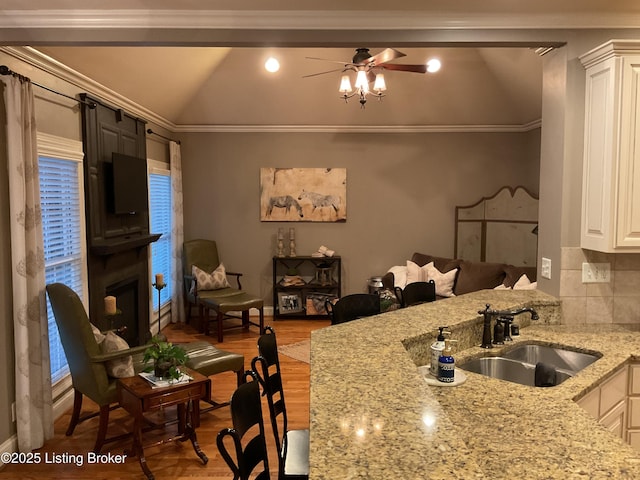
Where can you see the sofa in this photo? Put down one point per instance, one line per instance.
(469, 276)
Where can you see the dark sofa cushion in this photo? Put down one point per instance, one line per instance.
(475, 276)
(513, 274)
(441, 263)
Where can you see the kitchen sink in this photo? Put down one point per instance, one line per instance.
(509, 370)
(519, 364)
(559, 357)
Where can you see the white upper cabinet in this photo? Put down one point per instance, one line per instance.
(611, 169)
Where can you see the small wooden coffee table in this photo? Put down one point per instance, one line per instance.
(137, 396)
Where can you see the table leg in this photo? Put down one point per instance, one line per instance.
(190, 432)
(138, 449)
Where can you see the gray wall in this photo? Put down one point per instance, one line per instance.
(402, 190)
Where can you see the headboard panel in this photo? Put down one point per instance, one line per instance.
(502, 228)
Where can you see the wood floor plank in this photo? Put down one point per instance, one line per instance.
(68, 456)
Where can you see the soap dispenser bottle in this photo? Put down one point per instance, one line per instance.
(436, 349)
(446, 364)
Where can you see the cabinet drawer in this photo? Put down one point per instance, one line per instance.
(613, 391)
(192, 392)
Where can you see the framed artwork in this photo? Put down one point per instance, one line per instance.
(303, 194)
(289, 302)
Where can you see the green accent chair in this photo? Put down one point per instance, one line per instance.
(204, 255)
(89, 374)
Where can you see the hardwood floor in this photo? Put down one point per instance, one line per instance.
(176, 460)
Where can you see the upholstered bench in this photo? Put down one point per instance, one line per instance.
(241, 302)
(209, 360)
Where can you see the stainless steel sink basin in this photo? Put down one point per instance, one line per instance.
(519, 365)
(509, 370)
(559, 357)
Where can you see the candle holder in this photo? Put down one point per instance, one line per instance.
(280, 243)
(292, 243)
(111, 317)
(159, 287)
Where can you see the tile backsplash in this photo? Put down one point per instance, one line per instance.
(617, 301)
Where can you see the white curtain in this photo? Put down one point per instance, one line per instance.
(33, 377)
(177, 300)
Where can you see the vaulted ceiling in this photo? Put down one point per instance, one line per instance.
(196, 67)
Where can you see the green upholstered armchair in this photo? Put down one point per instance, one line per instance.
(204, 255)
(86, 361)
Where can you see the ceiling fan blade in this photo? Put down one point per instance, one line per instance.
(386, 55)
(322, 73)
(405, 68)
(341, 62)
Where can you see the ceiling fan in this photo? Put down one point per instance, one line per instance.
(363, 63)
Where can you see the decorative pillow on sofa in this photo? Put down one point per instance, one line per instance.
(415, 273)
(444, 281)
(524, 283)
(210, 281)
(122, 367)
(399, 275)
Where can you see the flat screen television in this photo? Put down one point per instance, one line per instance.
(129, 193)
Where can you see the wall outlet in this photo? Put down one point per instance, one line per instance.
(546, 268)
(596, 272)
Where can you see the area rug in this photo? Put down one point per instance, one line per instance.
(300, 351)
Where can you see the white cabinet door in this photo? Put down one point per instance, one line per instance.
(611, 167)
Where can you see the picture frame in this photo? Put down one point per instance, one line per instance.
(303, 194)
(290, 302)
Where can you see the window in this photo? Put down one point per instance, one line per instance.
(61, 199)
(160, 213)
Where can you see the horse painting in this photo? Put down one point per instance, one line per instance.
(320, 201)
(286, 202)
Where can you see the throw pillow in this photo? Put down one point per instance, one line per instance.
(502, 287)
(122, 367)
(399, 275)
(97, 334)
(416, 273)
(524, 283)
(444, 281)
(210, 281)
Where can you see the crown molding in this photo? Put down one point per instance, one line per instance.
(51, 66)
(305, 20)
(610, 49)
(517, 128)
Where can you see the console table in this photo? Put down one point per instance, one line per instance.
(320, 279)
(137, 396)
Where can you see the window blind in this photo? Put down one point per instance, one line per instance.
(160, 213)
(61, 226)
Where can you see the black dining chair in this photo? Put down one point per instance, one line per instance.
(246, 417)
(415, 293)
(351, 307)
(292, 445)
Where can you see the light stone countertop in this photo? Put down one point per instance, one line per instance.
(374, 417)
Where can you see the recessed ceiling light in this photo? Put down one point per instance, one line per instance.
(272, 65)
(433, 65)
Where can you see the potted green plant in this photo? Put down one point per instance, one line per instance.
(166, 358)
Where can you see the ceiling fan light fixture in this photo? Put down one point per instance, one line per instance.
(433, 65)
(345, 85)
(379, 85)
(362, 82)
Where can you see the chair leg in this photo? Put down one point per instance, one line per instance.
(245, 319)
(102, 429)
(261, 310)
(220, 318)
(75, 416)
(240, 376)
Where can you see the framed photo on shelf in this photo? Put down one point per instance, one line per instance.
(290, 302)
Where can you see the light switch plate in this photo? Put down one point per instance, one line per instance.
(596, 272)
(546, 268)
